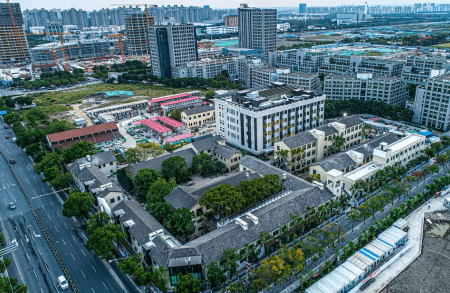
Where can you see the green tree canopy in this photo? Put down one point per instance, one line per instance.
(187, 284)
(78, 204)
(143, 180)
(180, 222)
(214, 274)
(175, 114)
(102, 240)
(160, 189)
(176, 167)
(78, 150)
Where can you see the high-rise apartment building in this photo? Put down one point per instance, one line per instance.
(302, 8)
(75, 17)
(257, 28)
(171, 46)
(432, 103)
(254, 121)
(298, 60)
(52, 28)
(419, 69)
(137, 32)
(13, 42)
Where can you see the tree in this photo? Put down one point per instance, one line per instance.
(229, 261)
(187, 284)
(97, 220)
(358, 187)
(78, 204)
(151, 149)
(143, 180)
(161, 210)
(135, 155)
(274, 269)
(175, 114)
(293, 257)
(209, 94)
(124, 178)
(160, 189)
(133, 266)
(102, 240)
(176, 167)
(58, 126)
(9, 285)
(78, 150)
(214, 274)
(180, 222)
(160, 278)
(365, 211)
(4, 264)
(374, 205)
(169, 147)
(354, 216)
(338, 142)
(204, 164)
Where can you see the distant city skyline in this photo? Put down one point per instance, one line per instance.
(90, 5)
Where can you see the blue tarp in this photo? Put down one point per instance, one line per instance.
(426, 133)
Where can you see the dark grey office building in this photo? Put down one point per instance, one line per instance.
(171, 46)
(257, 28)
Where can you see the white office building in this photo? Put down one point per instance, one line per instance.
(255, 121)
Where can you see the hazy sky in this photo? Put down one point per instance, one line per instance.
(97, 4)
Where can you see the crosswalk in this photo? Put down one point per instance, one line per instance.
(10, 248)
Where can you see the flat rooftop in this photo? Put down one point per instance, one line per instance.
(363, 171)
(405, 142)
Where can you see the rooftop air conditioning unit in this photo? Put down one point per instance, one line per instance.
(241, 222)
(252, 217)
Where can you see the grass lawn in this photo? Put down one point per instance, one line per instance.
(445, 45)
(76, 95)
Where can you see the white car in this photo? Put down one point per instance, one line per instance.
(136, 136)
(63, 282)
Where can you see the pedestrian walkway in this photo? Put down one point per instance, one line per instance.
(415, 234)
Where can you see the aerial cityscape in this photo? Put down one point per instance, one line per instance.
(235, 148)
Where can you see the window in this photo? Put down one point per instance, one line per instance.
(111, 200)
(112, 163)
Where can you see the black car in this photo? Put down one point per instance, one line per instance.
(12, 161)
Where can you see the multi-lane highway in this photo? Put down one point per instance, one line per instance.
(33, 261)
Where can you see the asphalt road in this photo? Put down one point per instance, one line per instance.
(88, 272)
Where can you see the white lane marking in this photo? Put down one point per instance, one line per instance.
(105, 286)
(39, 252)
(83, 274)
(20, 169)
(72, 256)
(43, 190)
(64, 242)
(66, 226)
(56, 229)
(27, 167)
(41, 287)
(34, 192)
(48, 215)
(34, 178)
(92, 290)
(94, 269)
(52, 204)
(56, 288)
(36, 276)
(74, 238)
(14, 198)
(27, 180)
(58, 214)
(83, 252)
(27, 255)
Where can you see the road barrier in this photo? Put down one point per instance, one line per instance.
(63, 267)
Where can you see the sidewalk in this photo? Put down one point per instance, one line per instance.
(415, 241)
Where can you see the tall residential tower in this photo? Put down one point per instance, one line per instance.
(257, 28)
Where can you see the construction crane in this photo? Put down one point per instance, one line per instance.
(54, 55)
(146, 9)
(120, 44)
(64, 52)
(16, 32)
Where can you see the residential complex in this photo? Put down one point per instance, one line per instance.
(431, 105)
(264, 76)
(13, 42)
(254, 121)
(257, 28)
(206, 68)
(297, 60)
(156, 104)
(391, 90)
(418, 69)
(137, 32)
(308, 147)
(245, 68)
(171, 46)
(342, 64)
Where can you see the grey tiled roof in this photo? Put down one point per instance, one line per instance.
(99, 159)
(226, 151)
(180, 198)
(329, 130)
(264, 168)
(211, 246)
(187, 154)
(198, 110)
(144, 224)
(300, 139)
(206, 144)
(341, 160)
(89, 174)
(351, 121)
(189, 197)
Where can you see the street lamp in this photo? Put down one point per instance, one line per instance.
(345, 114)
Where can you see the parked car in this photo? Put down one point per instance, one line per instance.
(12, 205)
(12, 161)
(6, 126)
(6, 136)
